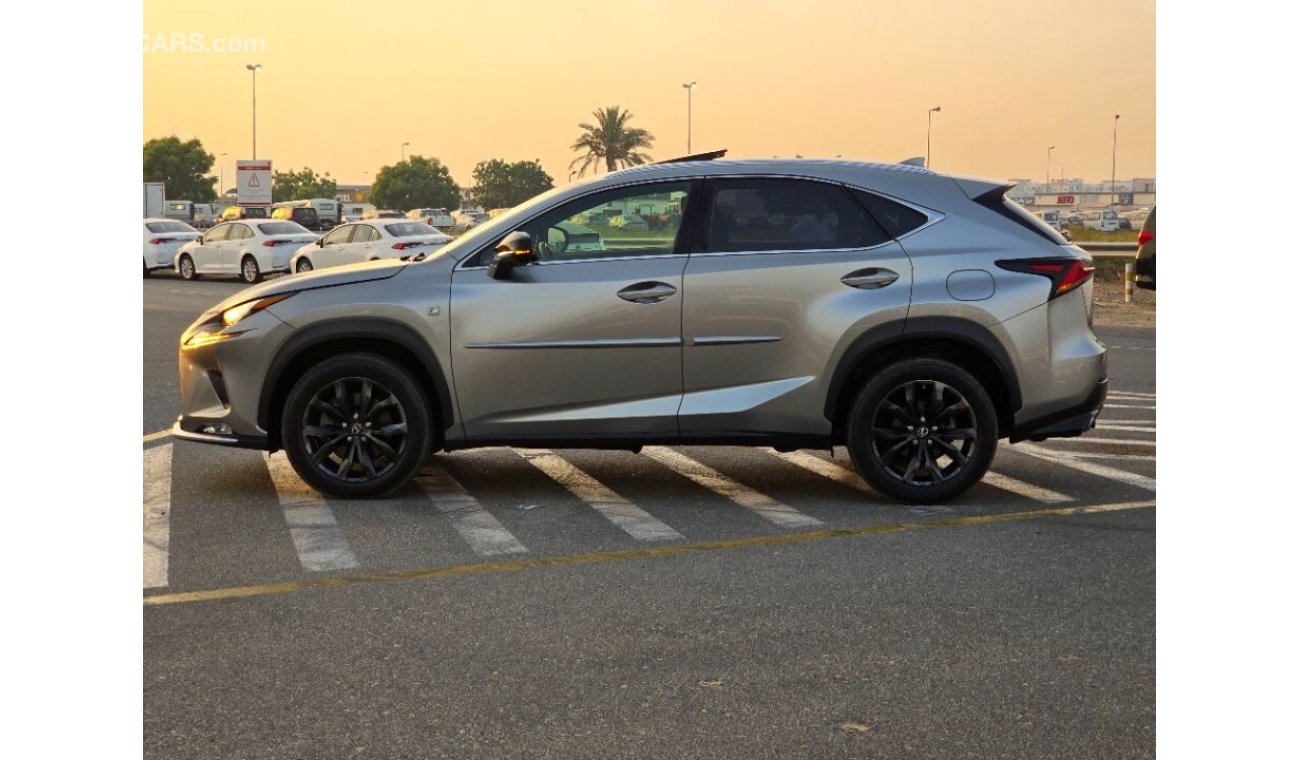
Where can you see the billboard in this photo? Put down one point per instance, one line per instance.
(253, 182)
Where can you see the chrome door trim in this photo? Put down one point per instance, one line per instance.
(732, 340)
(592, 343)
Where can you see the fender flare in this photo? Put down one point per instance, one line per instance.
(365, 328)
(950, 328)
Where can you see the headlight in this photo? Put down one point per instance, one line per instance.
(213, 325)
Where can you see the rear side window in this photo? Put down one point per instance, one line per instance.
(998, 202)
(786, 215)
(407, 229)
(896, 219)
(169, 227)
(280, 228)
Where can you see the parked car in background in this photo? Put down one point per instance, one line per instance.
(575, 238)
(383, 213)
(204, 216)
(327, 212)
(434, 217)
(162, 239)
(304, 215)
(1145, 262)
(246, 249)
(181, 210)
(242, 212)
(369, 241)
(467, 218)
(913, 317)
(1106, 220)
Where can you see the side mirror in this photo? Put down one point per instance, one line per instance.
(320, 241)
(514, 250)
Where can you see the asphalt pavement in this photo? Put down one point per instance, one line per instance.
(682, 602)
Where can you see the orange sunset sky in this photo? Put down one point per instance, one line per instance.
(344, 84)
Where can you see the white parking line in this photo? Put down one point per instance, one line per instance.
(1100, 470)
(638, 523)
(157, 513)
(1103, 441)
(847, 476)
(1128, 406)
(1127, 428)
(476, 525)
(1102, 455)
(1134, 394)
(316, 536)
(760, 504)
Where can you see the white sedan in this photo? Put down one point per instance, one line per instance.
(248, 249)
(368, 241)
(162, 239)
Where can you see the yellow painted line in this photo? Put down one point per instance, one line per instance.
(157, 436)
(592, 558)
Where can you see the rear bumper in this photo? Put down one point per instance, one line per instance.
(1067, 423)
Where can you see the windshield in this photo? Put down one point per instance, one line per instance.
(408, 229)
(498, 226)
(282, 228)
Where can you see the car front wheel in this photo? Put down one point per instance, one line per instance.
(304, 265)
(922, 430)
(357, 425)
(186, 265)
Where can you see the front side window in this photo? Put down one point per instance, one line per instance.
(217, 234)
(636, 221)
(786, 215)
(340, 235)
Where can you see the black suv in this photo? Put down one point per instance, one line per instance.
(304, 215)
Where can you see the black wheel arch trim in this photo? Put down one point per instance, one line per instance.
(364, 328)
(882, 336)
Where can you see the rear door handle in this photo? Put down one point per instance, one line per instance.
(647, 292)
(872, 278)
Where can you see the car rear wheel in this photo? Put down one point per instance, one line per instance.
(304, 265)
(249, 271)
(187, 268)
(922, 430)
(357, 425)
(146, 269)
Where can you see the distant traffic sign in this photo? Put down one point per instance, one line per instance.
(253, 183)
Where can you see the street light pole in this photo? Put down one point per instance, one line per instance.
(929, 120)
(404, 150)
(253, 67)
(1114, 142)
(1049, 164)
(690, 87)
(221, 176)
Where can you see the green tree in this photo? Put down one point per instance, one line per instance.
(414, 183)
(301, 185)
(611, 140)
(182, 166)
(498, 184)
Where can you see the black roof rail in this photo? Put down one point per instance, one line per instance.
(710, 156)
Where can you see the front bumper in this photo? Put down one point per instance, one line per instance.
(196, 429)
(1067, 423)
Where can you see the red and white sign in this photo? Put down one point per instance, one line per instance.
(253, 183)
(1065, 200)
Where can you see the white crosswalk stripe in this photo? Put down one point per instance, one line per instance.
(484, 534)
(1028, 490)
(760, 504)
(157, 514)
(316, 535)
(638, 523)
(1101, 441)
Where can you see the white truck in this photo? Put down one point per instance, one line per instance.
(155, 200)
(1106, 221)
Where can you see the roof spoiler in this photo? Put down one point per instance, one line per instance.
(710, 156)
(975, 187)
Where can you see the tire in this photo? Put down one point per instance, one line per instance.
(350, 457)
(186, 266)
(249, 272)
(902, 444)
(304, 265)
(146, 270)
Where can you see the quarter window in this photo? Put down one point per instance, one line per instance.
(897, 219)
(786, 215)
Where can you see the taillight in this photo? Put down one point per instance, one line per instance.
(1145, 237)
(274, 243)
(156, 241)
(404, 246)
(1065, 274)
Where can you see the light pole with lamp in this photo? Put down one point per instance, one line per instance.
(1049, 165)
(1114, 142)
(404, 150)
(929, 119)
(690, 87)
(253, 67)
(221, 176)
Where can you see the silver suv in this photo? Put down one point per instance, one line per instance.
(914, 317)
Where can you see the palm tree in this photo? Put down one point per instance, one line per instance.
(611, 140)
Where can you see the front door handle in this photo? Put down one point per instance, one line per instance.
(872, 278)
(647, 292)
